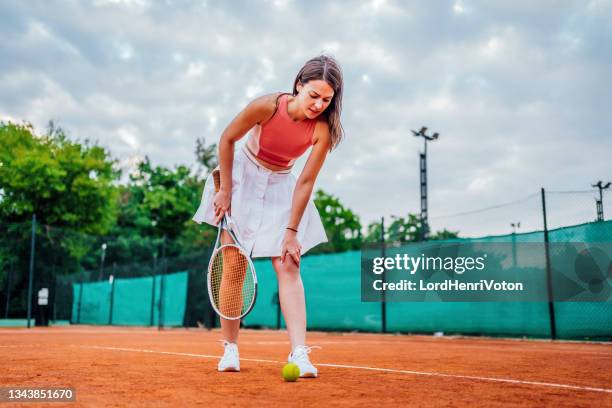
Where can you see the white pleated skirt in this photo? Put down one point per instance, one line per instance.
(261, 207)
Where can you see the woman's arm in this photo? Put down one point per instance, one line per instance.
(257, 111)
(303, 188)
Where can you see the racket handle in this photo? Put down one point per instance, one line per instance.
(217, 179)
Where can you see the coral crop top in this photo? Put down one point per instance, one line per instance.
(281, 140)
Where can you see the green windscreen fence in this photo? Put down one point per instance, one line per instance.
(133, 301)
(333, 298)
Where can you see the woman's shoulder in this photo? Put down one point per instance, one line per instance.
(321, 132)
(266, 105)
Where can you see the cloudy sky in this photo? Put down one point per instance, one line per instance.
(519, 90)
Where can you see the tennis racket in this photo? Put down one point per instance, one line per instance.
(231, 278)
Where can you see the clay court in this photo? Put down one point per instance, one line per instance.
(115, 366)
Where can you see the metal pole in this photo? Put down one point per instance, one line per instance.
(551, 304)
(599, 203)
(101, 275)
(8, 290)
(80, 294)
(383, 305)
(153, 287)
(112, 296)
(54, 293)
(161, 285)
(31, 276)
(278, 310)
(514, 249)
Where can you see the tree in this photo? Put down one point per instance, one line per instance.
(66, 183)
(404, 229)
(206, 156)
(401, 229)
(341, 224)
(444, 234)
(160, 202)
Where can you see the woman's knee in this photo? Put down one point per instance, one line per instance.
(287, 269)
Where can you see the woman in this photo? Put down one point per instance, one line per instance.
(273, 212)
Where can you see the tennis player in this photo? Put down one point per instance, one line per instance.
(273, 211)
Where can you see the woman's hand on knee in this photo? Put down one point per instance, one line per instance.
(291, 247)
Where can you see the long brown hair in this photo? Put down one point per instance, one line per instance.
(326, 68)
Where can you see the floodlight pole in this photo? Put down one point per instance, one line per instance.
(423, 175)
(599, 203)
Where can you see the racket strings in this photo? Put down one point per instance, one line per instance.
(232, 282)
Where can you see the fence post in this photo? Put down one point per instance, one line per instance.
(80, 293)
(161, 285)
(112, 296)
(383, 305)
(276, 300)
(31, 275)
(551, 304)
(153, 286)
(8, 289)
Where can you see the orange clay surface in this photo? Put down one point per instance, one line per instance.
(132, 367)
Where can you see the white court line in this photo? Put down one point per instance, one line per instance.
(502, 348)
(537, 345)
(392, 337)
(387, 370)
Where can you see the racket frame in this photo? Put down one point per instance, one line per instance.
(227, 224)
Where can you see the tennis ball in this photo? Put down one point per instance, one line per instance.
(291, 372)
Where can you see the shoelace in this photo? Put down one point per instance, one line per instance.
(302, 352)
(232, 350)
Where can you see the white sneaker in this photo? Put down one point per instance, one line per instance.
(299, 357)
(231, 359)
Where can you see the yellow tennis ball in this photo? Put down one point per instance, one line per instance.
(291, 372)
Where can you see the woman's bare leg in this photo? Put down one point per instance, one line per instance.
(292, 301)
(229, 328)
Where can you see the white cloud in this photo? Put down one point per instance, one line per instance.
(253, 91)
(128, 135)
(505, 83)
(459, 8)
(135, 4)
(125, 51)
(491, 46)
(480, 184)
(195, 69)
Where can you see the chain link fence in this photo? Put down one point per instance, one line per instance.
(72, 277)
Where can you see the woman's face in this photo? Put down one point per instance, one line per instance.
(314, 96)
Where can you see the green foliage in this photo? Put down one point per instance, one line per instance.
(341, 224)
(206, 156)
(160, 202)
(404, 229)
(444, 234)
(373, 233)
(65, 183)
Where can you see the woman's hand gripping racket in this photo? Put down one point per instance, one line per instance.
(232, 282)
